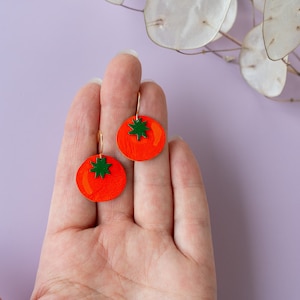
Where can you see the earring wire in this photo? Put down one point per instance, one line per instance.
(100, 143)
(138, 106)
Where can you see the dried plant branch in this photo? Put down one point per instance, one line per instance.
(264, 50)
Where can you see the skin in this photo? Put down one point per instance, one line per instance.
(154, 240)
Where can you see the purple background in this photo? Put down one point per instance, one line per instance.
(248, 146)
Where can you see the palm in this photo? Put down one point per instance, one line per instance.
(152, 242)
(124, 260)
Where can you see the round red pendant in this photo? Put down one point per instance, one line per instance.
(101, 188)
(137, 147)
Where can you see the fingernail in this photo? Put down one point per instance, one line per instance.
(176, 137)
(147, 80)
(130, 52)
(96, 80)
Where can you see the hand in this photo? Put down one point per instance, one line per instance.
(154, 240)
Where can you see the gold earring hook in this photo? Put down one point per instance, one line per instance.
(138, 106)
(100, 143)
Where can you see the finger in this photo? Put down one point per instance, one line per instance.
(68, 207)
(153, 204)
(192, 233)
(119, 92)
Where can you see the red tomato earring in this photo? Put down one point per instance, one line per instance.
(140, 137)
(101, 178)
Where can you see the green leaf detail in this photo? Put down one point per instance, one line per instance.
(139, 128)
(100, 167)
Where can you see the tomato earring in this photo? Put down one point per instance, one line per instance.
(101, 178)
(141, 137)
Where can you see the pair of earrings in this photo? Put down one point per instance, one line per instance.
(103, 178)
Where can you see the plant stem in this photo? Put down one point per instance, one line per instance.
(132, 8)
(296, 55)
(209, 50)
(231, 38)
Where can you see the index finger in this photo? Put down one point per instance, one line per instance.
(69, 209)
